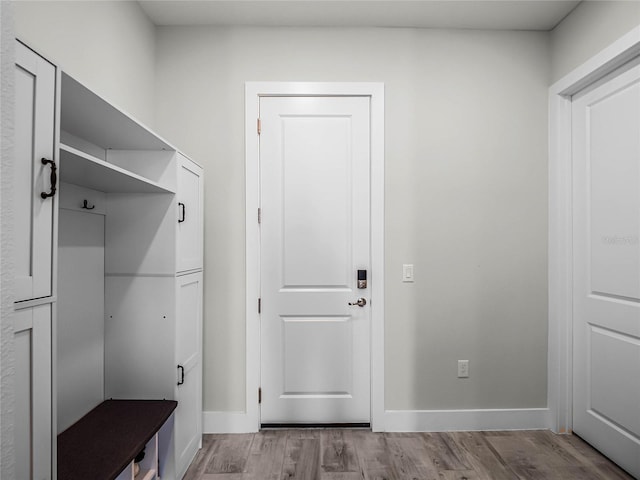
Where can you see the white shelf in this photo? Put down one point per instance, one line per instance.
(80, 168)
(90, 117)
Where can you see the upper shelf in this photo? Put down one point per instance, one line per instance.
(88, 116)
(80, 168)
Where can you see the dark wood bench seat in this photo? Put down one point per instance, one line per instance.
(102, 443)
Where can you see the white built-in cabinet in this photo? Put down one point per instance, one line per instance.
(125, 283)
(34, 218)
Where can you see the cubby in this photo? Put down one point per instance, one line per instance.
(114, 168)
(106, 441)
(120, 238)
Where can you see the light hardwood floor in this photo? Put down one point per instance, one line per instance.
(336, 454)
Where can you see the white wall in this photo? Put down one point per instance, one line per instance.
(466, 174)
(107, 45)
(591, 27)
(466, 177)
(466, 196)
(7, 397)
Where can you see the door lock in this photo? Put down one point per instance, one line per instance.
(361, 302)
(362, 279)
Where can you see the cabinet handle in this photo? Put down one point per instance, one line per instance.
(184, 212)
(181, 368)
(54, 178)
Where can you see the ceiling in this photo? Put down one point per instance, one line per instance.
(474, 14)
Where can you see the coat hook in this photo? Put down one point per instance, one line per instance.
(86, 206)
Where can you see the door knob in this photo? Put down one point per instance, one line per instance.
(361, 302)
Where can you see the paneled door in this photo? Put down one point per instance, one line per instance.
(33, 433)
(188, 425)
(315, 236)
(606, 296)
(34, 179)
(190, 204)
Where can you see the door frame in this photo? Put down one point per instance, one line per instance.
(560, 276)
(253, 92)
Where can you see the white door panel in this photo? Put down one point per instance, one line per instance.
(615, 251)
(317, 200)
(23, 394)
(34, 140)
(307, 340)
(606, 145)
(23, 180)
(190, 198)
(613, 352)
(315, 354)
(33, 435)
(188, 430)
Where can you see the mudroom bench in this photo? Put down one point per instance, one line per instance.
(103, 444)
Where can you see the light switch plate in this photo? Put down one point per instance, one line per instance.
(407, 272)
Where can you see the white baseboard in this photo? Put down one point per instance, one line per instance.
(466, 420)
(228, 422)
(410, 420)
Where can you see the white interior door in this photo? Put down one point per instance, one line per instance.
(315, 235)
(606, 146)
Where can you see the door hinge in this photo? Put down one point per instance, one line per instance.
(259, 215)
(259, 395)
(259, 305)
(259, 126)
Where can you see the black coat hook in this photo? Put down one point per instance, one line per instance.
(86, 206)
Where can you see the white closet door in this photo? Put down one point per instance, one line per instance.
(188, 424)
(34, 141)
(606, 293)
(190, 204)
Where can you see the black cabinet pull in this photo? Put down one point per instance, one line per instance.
(184, 212)
(54, 178)
(181, 368)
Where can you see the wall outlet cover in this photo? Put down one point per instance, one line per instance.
(463, 368)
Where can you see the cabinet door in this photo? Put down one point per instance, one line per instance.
(34, 141)
(190, 204)
(188, 416)
(33, 431)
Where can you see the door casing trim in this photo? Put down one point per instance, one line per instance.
(253, 92)
(560, 344)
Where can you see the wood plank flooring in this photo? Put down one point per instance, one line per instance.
(336, 454)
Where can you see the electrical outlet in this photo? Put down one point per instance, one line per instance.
(463, 368)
